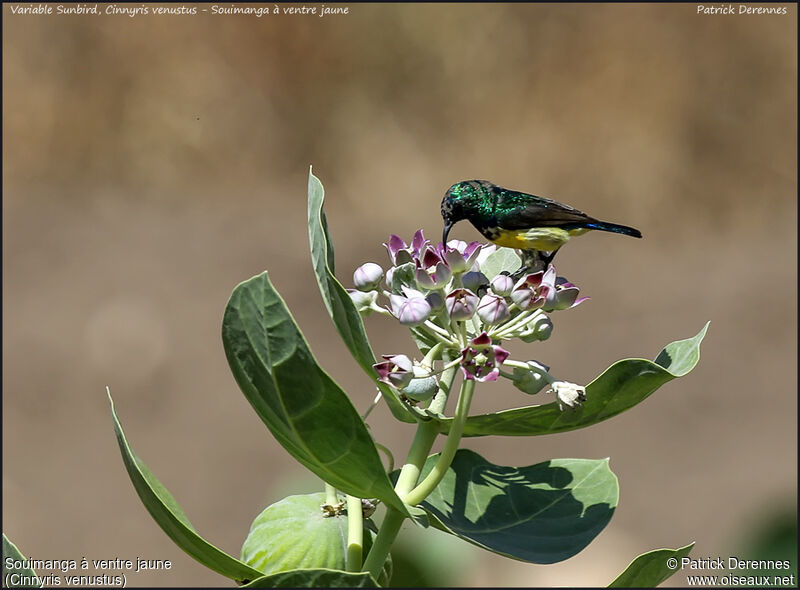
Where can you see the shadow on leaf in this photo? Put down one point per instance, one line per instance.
(541, 513)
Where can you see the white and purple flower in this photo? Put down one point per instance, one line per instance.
(432, 271)
(461, 304)
(401, 253)
(396, 370)
(481, 360)
(535, 290)
(459, 255)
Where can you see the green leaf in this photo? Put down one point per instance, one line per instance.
(17, 577)
(337, 301)
(502, 259)
(681, 356)
(651, 568)
(302, 406)
(315, 578)
(541, 513)
(170, 517)
(404, 275)
(623, 385)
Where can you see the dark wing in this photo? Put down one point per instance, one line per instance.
(515, 210)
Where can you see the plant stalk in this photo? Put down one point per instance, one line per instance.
(390, 527)
(419, 493)
(355, 534)
(409, 474)
(330, 495)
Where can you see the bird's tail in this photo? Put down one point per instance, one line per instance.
(615, 227)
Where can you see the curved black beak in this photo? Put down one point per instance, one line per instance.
(447, 226)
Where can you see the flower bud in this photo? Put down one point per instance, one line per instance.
(368, 276)
(410, 311)
(435, 300)
(502, 285)
(423, 386)
(474, 280)
(539, 328)
(492, 309)
(528, 381)
(389, 274)
(461, 304)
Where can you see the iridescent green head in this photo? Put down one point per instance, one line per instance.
(468, 199)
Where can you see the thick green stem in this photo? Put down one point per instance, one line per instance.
(436, 474)
(417, 454)
(462, 327)
(439, 401)
(420, 447)
(330, 495)
(383, 542)
(355, 534)
(425, 436)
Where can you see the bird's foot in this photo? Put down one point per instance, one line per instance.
(532, 261)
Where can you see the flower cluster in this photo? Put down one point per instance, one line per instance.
(443, 294)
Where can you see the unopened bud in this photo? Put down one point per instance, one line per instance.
(435, 300)
(368, 276)
(539, 329)
(423, 386)
(492, 309)
(474, 280)
(502, 285)
(532, 379)
(410, 311)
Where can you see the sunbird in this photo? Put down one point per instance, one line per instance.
(535, 225)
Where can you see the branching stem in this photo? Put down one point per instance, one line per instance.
(419, 493)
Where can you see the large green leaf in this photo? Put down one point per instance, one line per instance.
(301, 405)
(623, 385)
(541, 513)
(170, 517)
(17, 577)
(651, 568)
(314, 578)
(340, 307)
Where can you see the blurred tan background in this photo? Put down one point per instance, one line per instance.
(152, 163)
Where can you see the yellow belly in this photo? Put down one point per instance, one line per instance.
(544, 239)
